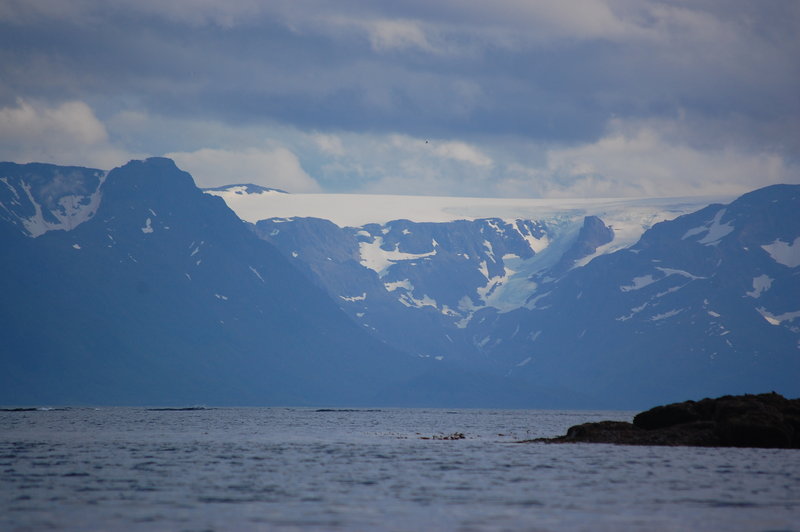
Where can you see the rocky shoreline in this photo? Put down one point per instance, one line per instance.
(766, 420)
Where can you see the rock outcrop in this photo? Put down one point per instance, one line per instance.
(767, 420)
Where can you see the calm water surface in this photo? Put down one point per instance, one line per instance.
(134, 469)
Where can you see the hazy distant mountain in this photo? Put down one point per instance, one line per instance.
(435, 278)
(708, 303)
(135, 287)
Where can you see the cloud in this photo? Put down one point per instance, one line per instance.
(402, 164)
(461, 151)
(548, 71)
(396, 34)
(516, 97)
(71, 119)
(275, 167)
(330, 144)
(638, 160)
(196, 13)
(68, 133)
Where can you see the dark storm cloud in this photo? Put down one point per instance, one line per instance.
(477, 70)
(721, 74)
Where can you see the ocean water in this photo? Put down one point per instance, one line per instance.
(137, 469)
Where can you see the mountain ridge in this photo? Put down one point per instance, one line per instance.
(136, 287)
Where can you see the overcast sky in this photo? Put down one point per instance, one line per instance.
(457, 97)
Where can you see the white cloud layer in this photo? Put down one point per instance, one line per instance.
(637, 160)
(69, 133)
(633, 158)
(275, 167)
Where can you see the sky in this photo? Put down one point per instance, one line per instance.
(509, 98)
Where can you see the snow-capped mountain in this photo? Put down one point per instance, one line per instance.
(625, 301)
(136, 288)
(434, 277)
(708, 303)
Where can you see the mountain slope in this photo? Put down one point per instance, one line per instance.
(165, 296)
(435, 278)
(135, 287)
(706, 304)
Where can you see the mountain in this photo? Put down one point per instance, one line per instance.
(135, 287)
(707, 304)
(623, 302)
(439, 278)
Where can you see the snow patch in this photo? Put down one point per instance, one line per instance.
(785, 253)
(761, 284)
(484, 269)
(634, 312)
(638, 283)
(777, 319)
(394, 285)
(715, 231)
(70, 213)
(447, 311)
(669, 290)
(665, 315)
(257, 274)
(362, 297)
(489, 250)
(533, 303)
(148, 227)
(379, 260)
(670, 271)
(409, 300)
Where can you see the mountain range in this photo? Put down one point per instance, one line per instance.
(135, 287)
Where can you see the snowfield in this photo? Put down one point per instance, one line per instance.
(629, 217)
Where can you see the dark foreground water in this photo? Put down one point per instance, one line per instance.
(301, 469)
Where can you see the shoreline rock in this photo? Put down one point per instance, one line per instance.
(765, 421)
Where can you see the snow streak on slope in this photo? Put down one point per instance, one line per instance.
(62, 204)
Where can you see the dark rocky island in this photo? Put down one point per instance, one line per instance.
(767, 420)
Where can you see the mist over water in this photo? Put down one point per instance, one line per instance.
(330, 469)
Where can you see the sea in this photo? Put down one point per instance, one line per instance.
(385, 469)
